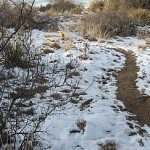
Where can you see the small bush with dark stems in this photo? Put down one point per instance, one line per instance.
(20, 84)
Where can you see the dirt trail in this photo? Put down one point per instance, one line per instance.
(134, 101)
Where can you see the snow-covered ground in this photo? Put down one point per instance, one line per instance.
(100, 121)
(141, 49)
(94, 117)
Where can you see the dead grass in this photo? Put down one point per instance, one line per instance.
(109, 145)
(47, 50)
(81, 124)
(142, 47)
(96, 6)
(140, 15)
(63, 7)
(134, 101)
(147, 42)
(112, 5)
(106, 24)
(51, 44)
(84, 57)
(143, 34)
(68, 44)
(85, 105)
(40, 79)
(62, 35)
(56, 96)
(27, 94)
(73, 73)
(145, 4)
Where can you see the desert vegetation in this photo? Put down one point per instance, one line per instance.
(60, 62)
(110, 18)
(23, 75)
(62, 7)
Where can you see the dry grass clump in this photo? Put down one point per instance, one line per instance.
(106, 24)
(62, 35)
(96, 6)
(83, 57)
(139, 10)
(140, 15)
(52, 44)
(73, 73)
(142, 47)
(81, 124)
(109, 145)
(147, 42)
(143, 34)
(47, 50)
(113, 5)
(56, 96)
(68, 44)
(63, 7)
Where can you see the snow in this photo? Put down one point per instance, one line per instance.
(104, 120)
(45, 2)
(143, 58)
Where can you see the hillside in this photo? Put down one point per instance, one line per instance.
(74, 78)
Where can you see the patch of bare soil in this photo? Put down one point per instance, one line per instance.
(134, 101)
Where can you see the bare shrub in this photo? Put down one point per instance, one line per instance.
(22, 115)
(43, 22)
(106, 24)
(13, 16)
(63, 7)
(6, 14)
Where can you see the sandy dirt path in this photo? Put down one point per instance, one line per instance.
(134, 101)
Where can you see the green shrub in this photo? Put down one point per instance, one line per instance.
(13, 54)
(140, 15)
